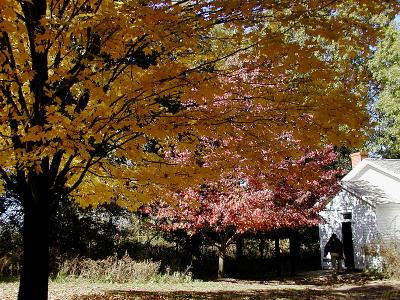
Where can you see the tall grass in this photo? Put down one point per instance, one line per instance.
(117, 270)
(390, 252)
(9, 266)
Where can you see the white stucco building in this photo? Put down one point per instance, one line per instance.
(366, 210)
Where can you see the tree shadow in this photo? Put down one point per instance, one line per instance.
(378, 291)
(370, 292)
(316, 285)
(327, 278)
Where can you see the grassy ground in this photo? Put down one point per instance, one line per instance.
(315, 285)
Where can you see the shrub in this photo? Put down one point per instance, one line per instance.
(118, 270)
(382, 259)
(110, 269)
(390, 251)
(10, 265)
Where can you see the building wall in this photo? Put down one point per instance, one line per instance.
(363, 225)
(388, 220)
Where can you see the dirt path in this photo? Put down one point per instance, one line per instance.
(315, 285)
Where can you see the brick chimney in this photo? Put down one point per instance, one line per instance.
(357, 157)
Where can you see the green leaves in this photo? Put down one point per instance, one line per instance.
(385, 67)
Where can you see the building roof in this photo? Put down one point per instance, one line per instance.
(364, 190)
(376, 181)
(390, 165)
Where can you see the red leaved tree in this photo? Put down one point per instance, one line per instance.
(235, 204)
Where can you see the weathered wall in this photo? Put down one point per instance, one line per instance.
(388, 220)
(363, 225)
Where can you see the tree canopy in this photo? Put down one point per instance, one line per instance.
(240, 204)
(223, 210)
(114, 100)
(94, 93)
(385, 67)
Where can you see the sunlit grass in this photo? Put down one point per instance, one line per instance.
(318, 285)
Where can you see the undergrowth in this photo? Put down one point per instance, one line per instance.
(387, 259)
(117, 270)
(390, 251)
(9, 267)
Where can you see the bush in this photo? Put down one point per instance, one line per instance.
(10, 265)
(382, 259)
(112, 269)
(390, 251)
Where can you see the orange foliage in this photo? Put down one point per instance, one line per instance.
(94, 94)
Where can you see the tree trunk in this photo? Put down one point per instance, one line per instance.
(261, 247)
(195, 243)
(35, 265)
(35, 186)
(278, 258)
(294, 249)
(239, 247)
(221, 261)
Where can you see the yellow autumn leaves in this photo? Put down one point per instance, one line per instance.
(89, 87)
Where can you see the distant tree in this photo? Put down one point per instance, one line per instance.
(385, 66)
(224, 210)
(93, 93)
(90, 232)
(10, 225)
(73, 231)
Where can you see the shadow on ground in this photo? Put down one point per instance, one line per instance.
(309, 286)
(376, 292)
(323, 278)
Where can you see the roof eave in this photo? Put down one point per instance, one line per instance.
(357, 196)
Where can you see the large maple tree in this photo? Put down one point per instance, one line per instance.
(225, 209)
(95, 95)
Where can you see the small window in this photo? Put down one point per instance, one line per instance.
(347, 216)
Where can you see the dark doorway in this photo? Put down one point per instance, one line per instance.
(348, 245)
